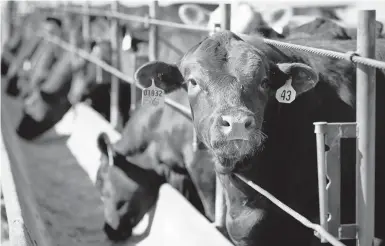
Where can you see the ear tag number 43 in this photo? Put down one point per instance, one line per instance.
(153, 95)
(286, 93)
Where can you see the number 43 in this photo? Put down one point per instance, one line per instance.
(286, 95)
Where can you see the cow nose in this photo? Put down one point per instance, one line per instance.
(236, 127)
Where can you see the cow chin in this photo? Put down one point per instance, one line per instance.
(233, 154)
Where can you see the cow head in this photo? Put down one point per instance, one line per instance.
(124, 198)
(230, 84)
(41, 111)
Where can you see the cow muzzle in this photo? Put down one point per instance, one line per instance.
(236, 127)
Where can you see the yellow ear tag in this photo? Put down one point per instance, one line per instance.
(286, 93)
(153, 95)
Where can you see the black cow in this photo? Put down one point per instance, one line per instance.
(160, 139)
(231, 83)
(45, 96)
(36, 49)
(18, 38)
(325, 29)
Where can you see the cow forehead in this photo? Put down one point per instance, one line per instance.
(224, 56)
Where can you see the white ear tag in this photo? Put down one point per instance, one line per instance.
(153, 95)
(286, 93)
(126, 42)
(27, 65)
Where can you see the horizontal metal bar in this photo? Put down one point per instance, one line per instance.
(345, 129)
(114, 14)
(321, 231)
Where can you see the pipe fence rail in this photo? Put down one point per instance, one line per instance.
(365, 126)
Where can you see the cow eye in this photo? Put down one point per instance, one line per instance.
(264, 83)
(120, 204)
(192, 82)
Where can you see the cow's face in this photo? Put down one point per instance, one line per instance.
(122, 197)
(41, 111)
(230, 84)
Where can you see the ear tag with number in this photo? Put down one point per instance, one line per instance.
(286, 93)
(153, 95)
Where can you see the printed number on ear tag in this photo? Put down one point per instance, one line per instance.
(153, 95)
(286, 94)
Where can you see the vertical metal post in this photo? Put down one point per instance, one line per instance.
(220, 208)
(72, 32)
(366, 116)
(226, 16)
(8, 21)
(115, 118)
(86, 27)
(133, 86)
(320, 128)
(153, 32)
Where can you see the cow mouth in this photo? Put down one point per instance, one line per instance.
(227, 166)
(234, 155)
(237, 149)
(117, 235)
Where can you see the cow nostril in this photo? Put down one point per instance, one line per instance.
(223, 122)
(248, 124)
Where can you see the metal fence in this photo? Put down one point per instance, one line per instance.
(363, 129)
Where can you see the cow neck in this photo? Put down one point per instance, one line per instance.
(136, 172)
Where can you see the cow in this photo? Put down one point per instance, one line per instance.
(232, 81)
(318, 27)
(33, 49)
(127, 191)
(13, 44)
(45, 101)
(163, 138)
(160, 140)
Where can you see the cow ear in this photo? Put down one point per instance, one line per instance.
(105, 148)
(303, 77)
(166, 76)
(193, 14)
